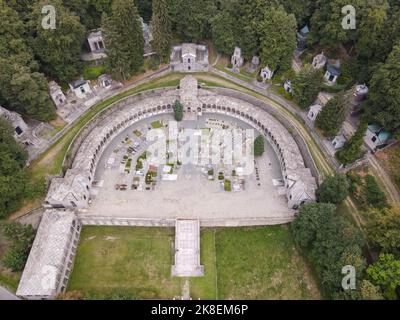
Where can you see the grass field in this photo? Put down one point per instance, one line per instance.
(240, 263)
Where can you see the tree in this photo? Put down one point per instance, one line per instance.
(161, 29)
(178, 110)
(334, 189)
(385, 273)
(123, 37)
(13, 179)
(383, 229)
(373, 39)
(191, 18)
(22, 88)
(13, 45)
(259, 146)
(25, 92)
(332, 116)
(373, 194)
(310, 219)
(21, 238)
(145, 8)
(301, 9)
(306, 86)
(384, 97)
(370, 292)
(223, 32)
(352, 149)
(326, 22)
(331, 243)
(278, 38)
(58, 49)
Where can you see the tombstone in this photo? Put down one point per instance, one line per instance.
(56, 94)
(266, 73)
(319, 61)
(237, 59)
(253, 66)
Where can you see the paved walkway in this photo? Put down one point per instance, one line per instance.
(393, 195)
(7, 295)
(187, 249)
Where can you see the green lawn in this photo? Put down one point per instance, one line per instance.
(131, 260)
(240, 263)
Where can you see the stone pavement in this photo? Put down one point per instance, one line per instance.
(187, 249)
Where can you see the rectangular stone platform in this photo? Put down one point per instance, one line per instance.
(187, 249)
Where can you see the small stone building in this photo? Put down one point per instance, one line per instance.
(376, 136)
(56, 94)
(96, 41)
(302, 38)
(16, 121)
(339, 141)
(105, 81)
(314, 111)
(189, 57)
(81, 88)
(288, 86)
(319, 61)
(266, 73)
(331, 74)
(237, 59)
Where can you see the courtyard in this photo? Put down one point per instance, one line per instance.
(127, 185)
(137, 261)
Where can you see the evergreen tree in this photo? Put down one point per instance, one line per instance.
(191, 18)
(58, 49)
(384, 97)
(25, 92)
(332, 116)
(352, 149)
(306, 86)
(259, 146)
(178, 110)
(223, 32)
(22, 88)
(161, 29)
(278, 38)
(12, 177)
(334, 189)
(123, 37)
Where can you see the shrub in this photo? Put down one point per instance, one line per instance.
(259, 146)
(229, 66)
(93, 72)
(281, 90)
